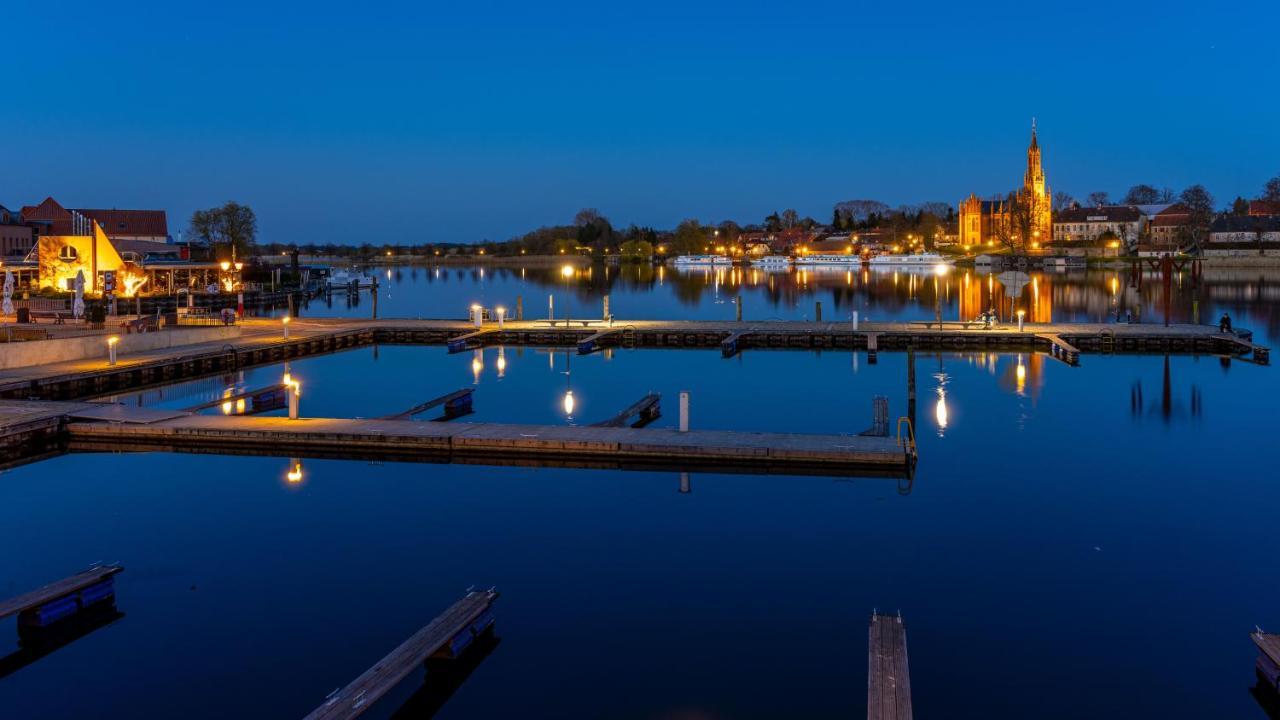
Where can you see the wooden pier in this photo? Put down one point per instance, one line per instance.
(448, 635)
(62, 598)
(456, 404)
(504, 444)
(1268, 664)
(645, 410)
(262, 342)
(888, 675)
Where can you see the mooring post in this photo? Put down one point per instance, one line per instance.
(519, 307)
(291, 394)
(551, 309)
(817, 311)
(374, 293)
(738, 309)
(684, 411)
(855, 320)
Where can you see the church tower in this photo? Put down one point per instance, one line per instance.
(1033, 181)
(1036, 191)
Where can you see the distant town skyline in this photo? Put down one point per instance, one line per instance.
(460, 124)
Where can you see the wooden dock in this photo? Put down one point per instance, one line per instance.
(645, 410)
(262, 342)
(1061, 349)
(68, 587)
(888, 675)
(505, 444)
(456, 404)
(447, 636)
(1268, 664)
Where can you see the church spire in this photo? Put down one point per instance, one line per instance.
(1034, 143)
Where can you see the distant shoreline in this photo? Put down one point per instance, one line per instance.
(491, 260)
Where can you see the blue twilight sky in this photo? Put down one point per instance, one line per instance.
(462, 121)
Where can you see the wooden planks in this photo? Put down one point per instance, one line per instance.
(502, 443)
(57, 589)
(888, 676)
(457, 403)
(1061, 349)
(732, 345)
(361, 694)
(1268, 644)
(591, 343)
(646, 407)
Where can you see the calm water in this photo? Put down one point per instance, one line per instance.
(1077, 542)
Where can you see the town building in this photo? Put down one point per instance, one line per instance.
(1252, 230)
(1264, 208)
(1084, 226)
(15, 236)
(983, 222)
(1170, 228)
(51, 218)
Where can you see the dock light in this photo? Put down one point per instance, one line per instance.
(566, 271)
(501, 315)
(239, 265)
(568, 402)
(111, 349)
(292, 391)
(477, 315)
(1021, 315)
(225, 265)
(284, 322)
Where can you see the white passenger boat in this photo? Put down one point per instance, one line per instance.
(344, 278)
(845, 261)
(702, 261)
(915, 260)
(773, 261)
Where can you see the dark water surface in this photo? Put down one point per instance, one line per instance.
(1078, 542)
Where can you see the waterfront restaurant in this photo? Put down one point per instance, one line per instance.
(131, 267)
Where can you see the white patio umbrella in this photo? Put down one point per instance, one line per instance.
(8, 292)
(77, 305)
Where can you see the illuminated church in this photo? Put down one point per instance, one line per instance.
(981, 221)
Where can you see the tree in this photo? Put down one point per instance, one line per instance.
(690, 238)
(1200, 209)
(1016, 235)
(1240, 207)
(1142, 195)
(1271, 191)
(587, 216)
(1062, 201)
(233, 225)
(790, 218)
(1099, 198)
(773, 223)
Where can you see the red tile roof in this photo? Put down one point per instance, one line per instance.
(1263, 208)
(128, 223)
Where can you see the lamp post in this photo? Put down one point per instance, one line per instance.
(111, 349)
(1021, 314)
(284, 323)
(566, 272)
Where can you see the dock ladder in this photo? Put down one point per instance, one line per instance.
(1107, 340)
(908, 441)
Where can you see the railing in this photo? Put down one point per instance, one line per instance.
(907, 442)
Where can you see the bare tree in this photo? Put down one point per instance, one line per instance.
(790, 218)
(1098, 198)
(587, 216)
(1142, 195)
(1271, 191)
(1062, 201)
(1200, 208)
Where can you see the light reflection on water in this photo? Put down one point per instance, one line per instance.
(1060, 517)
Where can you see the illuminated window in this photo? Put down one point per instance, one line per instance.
(68, 254)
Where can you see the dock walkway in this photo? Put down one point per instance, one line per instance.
(505, 444)
(444, 634)
(262, 342)
(57, 590)
(888, 675)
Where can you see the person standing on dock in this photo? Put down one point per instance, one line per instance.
(1224, 324)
